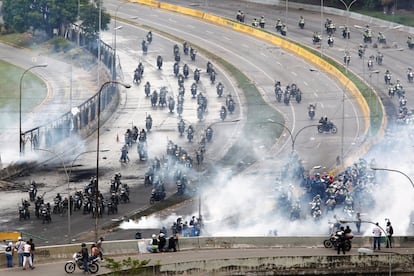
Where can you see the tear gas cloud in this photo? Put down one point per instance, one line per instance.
(246, 205)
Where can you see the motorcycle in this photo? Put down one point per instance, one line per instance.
(77, 261)
(190, 134)
(327, 127)
(311, 111)
(185, 70)
(387, 78)
(334, 239)
(149, 37)
(144, 47)
(45, 213)
(171, 104)
(197, 75)
(301, 23)
(209, 134)
(410, 76)
(159, 62)
(193, 90)
(157, 194)
(148, 123)
(185, 48)
(286, 98)
(193, 53)
(176, 69)
(147, 89)
(223, 113)
(220, 89)
(330, 41)
(32, 191)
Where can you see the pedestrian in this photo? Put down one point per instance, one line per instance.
(153, 246)
(99, 245)
(32, 249)
(20, 249)
(358, 222)
(85, 257)
(390, 231)
(94, 252)
(377, 236)
(341, 241)
(172, 246)
(162, 242)
(26, 255)
(9, 254)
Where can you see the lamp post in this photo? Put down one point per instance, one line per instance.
(292, 137)
(114, 75)
(394, 170)
(321, 26)
(97, 148)
(68, 181)
(21, 140)
(347, 7)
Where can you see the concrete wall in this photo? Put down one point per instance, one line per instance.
(127, 247)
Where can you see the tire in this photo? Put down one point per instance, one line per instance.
(327, 244)
(320, 129)
(347, 245)
(93, 268)
(70, 267)
(334, 130)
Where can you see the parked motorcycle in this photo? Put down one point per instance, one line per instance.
(77, 261)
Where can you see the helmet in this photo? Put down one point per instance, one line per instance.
(83, 244)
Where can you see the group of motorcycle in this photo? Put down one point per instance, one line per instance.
(291, 91)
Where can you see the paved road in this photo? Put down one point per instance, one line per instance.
(134, 106)
(57, 268)
(57, 76)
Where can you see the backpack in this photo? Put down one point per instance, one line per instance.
(391, 230)
(8, 249)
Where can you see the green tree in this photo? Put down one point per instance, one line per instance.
(89, 15)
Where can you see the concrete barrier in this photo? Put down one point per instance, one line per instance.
(46, 254)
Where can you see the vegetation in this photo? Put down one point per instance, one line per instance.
(33, 88)
(126, 266)
(54, 17)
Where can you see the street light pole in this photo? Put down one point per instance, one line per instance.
(68, 187)
(21, 140)
(97, 149)
(114, 75)
(292, 137)
(394, 170)
(347, 7)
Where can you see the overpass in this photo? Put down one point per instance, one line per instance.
(240, 255)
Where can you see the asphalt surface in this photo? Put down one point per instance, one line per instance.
(109, 160)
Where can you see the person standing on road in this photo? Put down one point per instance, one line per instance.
(32, 249)
(341, 241)
(20, 249)
(26, 255)
(358, 222)
(390, 231)
(9, 254)
(99, 245)
(377, 236)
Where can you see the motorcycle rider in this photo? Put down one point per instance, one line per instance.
(361, 51)
(410, 42)
(347, 58)
(255, 23)
(346, 32)
(85, 257)
(316, 37)
(283, 31)
(330, 41)
(301, 22)
(262, 22)
(381, 37)
(279, 25)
